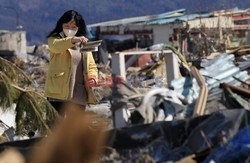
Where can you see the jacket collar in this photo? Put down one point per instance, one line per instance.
(62, 34)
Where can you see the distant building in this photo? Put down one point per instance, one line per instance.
(13, 41)
(242, 25)
(241, 28)
(131, 32)
(145, 31)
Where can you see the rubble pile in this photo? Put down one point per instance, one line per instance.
(36, 69)
(194, 117)
(190, 117)
(200, 116)
(174, 140)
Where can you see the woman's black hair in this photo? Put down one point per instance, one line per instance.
(65, 18)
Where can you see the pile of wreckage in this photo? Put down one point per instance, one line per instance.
(34, 63)
(201, 115)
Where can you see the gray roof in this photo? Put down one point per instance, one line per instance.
(141, 19)
(179, 18)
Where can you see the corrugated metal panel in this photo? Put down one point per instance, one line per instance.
(167, 14)
(214, 74)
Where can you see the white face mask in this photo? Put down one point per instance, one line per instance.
(69, 32)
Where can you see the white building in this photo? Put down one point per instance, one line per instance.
(13, 41)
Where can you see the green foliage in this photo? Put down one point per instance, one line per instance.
(14, 73)
(8, 93)
(33, 111)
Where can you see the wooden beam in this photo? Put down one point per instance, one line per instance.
(202, 99)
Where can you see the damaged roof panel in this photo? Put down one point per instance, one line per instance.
(180, 18)
(140, 19)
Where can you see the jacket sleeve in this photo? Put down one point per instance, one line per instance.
(92, 68)
(59, 45)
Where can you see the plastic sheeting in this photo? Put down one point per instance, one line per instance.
(236, 150)
(171, 141)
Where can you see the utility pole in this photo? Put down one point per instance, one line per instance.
(200, 11)
(18, 26)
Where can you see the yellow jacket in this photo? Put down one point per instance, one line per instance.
(57, 83)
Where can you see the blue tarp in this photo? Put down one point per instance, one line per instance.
(236, 150)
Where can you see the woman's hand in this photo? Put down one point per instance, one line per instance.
(80, 39)
(91, 82)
